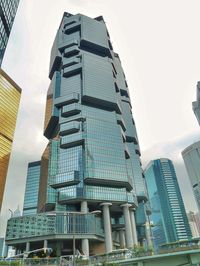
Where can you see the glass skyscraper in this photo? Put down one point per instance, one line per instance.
(92, 162)
(32, 187)
(9, 102)
(170, 222)
(8, 9)
(191, 157)
(9, 93)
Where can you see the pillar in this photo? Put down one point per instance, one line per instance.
(5, 250)
(107, 226)
(148, 234)
(133, 226)
(121, 238)
(45, 243)
(128, 229)
(85, 241)
(27, 246)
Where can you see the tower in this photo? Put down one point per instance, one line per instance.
(10, 94)
(92, 162)
(191, 157)
(169, 217)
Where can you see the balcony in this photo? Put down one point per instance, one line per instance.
(64, 179)
(71, 109)
(70, 61)
(69, 128)
(72, 140)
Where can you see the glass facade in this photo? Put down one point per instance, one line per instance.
(196, 104)
(191, 157)
(169, 218)
(32, 187)
(93, 155)
(33, 226)
(8, 9)
(9, 103)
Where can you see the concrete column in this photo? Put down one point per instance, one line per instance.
(5, 250)
(148, 234)
(128, 229)
(121, 238)
(27, 246)
(45, 243)
(107, 226)
(133, 226)
(85, 241)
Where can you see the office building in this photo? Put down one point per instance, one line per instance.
(168, 216)
(196, 104)
(1, 246)
(9, 103)
(91, 182)
(8, 9)
(194, 222)
(191, 157)
(32, 187)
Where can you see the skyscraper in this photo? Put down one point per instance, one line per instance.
(9, 103)
(92, 162)
(191, 157)
(169, 217)
(196, 104)
(194, 222)
(9, 93)
(8, 9)
(32, 187)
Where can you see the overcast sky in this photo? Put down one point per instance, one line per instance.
(159, 45)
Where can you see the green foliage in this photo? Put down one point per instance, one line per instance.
(13, 263)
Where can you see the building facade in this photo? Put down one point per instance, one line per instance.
(91, 181)
(9, 102)
(168, 216)
(8, 9)
(191, 157)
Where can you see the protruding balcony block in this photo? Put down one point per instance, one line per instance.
(71, 109)
(69, 128)
(66, 99)
(71, 140)
(64, 179)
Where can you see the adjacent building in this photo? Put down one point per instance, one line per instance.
(191, 157)
(169, 219)
(32, 188)
(10, 94)
(91, 184)
(194, 222)
(196, 104)
(8, 9)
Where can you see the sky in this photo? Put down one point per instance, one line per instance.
(159, 45)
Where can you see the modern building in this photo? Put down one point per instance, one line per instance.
(168, 216)
(10, 94)
(91, 185)
(32, 188)
(196, 104)
(194, 222)
(191, 157)
(1, 246)
(8, 10)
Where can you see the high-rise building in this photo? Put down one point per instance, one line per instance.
(91, 181)
(9, 103)
(194, 222)
(196, 104)
(32, 187)
(191, 157)
(168, 216)
(8, 9)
